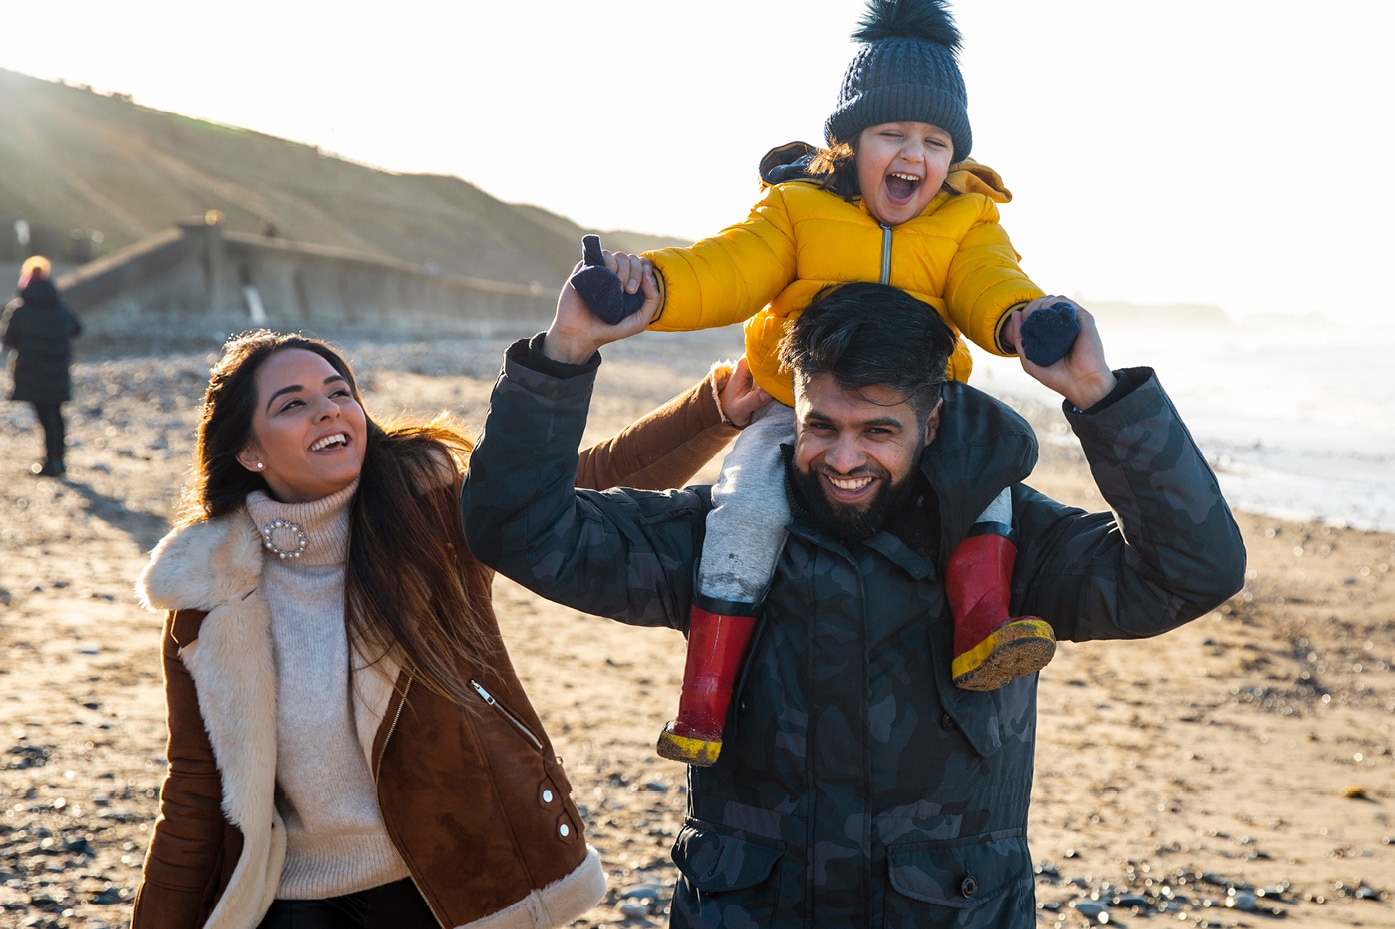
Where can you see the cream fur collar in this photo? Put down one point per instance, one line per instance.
(203, 565)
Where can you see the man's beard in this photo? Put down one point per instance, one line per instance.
(850, 522)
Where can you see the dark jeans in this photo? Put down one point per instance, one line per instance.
(51, 419)
(392, 906)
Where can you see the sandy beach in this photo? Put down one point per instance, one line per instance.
(1235, 772)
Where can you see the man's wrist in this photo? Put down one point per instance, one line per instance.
(1087, 394)
(566, 353)
(1124, 383)
(564, 350)
(529, 353)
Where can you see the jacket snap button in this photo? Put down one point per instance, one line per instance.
(564, 830)
(947, 723)
(547, 796)
(968, 886)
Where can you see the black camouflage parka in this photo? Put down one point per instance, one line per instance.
(856, 785)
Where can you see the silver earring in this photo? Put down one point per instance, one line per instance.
(260, 465)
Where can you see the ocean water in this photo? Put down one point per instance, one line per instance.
(1296, 415)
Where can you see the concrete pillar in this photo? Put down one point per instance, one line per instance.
(209, 235)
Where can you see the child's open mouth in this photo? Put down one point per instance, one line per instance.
(901, 187)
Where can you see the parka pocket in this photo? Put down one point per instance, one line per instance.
(722, 870)
(727, 879)
(717, 862)
(977, 719)
(976, 881)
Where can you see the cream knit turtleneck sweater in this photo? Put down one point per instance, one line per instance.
(336, 842)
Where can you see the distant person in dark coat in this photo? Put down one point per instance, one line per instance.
(39, 328)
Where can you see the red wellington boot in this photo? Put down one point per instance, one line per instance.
(991, 647)
(716, 644)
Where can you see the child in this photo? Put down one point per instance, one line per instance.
(894, 200)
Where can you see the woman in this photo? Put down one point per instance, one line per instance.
(349, 745)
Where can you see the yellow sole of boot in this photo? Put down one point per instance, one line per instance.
(1014, 650)
(697, 752)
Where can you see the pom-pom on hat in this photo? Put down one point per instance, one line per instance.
(905, 70)
(37, 266)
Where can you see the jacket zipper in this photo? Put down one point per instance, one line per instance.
(508, 714)
(886, 254)
(377, 768)
(401, 705)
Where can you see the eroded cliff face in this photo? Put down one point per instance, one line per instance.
(90, 174)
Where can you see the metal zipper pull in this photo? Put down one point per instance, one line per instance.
(488, 697)
(518, 724)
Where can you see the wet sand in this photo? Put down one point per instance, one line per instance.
(1237, 769)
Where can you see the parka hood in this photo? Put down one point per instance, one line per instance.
(983, 445)
(40, 292)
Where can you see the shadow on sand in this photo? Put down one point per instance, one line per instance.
(144, 528)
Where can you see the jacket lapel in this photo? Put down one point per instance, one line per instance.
(214, 566)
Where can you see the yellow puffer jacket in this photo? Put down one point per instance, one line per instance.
(800, 238)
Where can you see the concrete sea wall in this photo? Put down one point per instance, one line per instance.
(199, 280)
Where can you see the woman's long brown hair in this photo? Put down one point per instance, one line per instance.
(410, 584)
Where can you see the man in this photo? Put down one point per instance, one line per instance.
(40, 328)
(857, 786)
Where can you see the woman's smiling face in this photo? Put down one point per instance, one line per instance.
(901, 167)
(309, 433)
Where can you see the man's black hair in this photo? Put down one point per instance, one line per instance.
(867, 335)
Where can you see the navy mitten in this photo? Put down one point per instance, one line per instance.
(1048, 334)
(599, 287)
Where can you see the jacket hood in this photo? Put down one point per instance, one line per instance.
(202, 565)
(40, 292)
(970, 177)
(983, 445)
(786, 162)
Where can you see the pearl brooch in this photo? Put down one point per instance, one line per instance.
(270, 528)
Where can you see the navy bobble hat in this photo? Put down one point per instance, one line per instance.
(905, 70)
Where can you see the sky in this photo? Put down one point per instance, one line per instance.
(1223, 152)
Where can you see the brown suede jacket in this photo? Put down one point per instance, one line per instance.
(475, 800)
